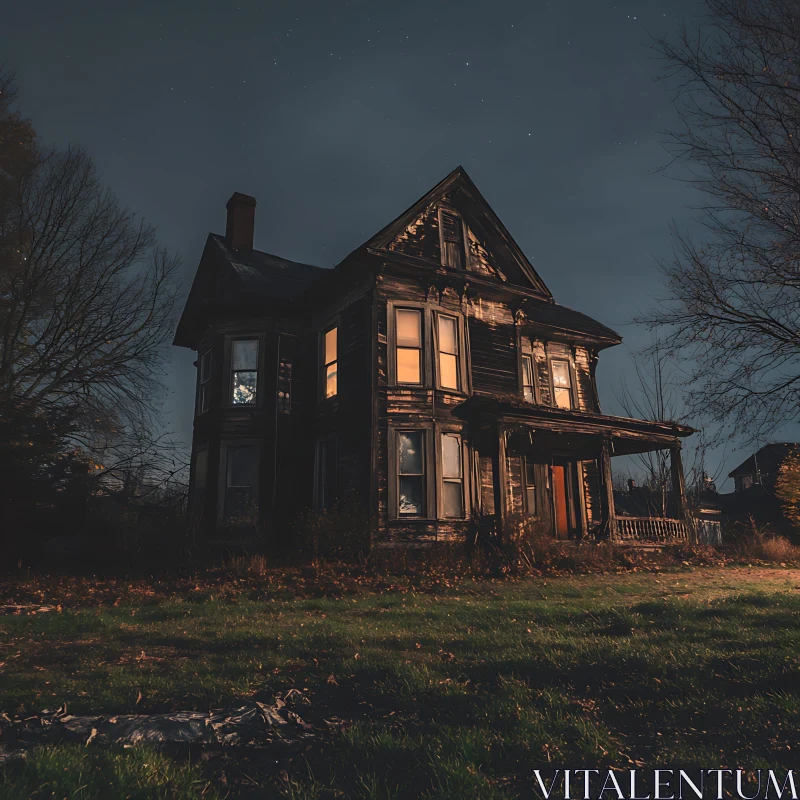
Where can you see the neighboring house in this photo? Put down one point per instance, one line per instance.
(761, 468)
(429, 376)
(754, 489)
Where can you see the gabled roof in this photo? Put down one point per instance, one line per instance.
(767, 460)
(485, 218)
(226, 275)
(553, 315)
(268, 275)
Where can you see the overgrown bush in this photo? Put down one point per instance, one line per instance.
(750, 540)
(339, 533)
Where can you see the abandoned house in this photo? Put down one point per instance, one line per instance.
(429, 377)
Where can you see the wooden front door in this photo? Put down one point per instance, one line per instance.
(560, 502)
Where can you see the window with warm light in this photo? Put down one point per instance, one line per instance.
(562, 384)
(244, 365)
(330, 365)
(447, 330)
(452, 477)
(408, 335)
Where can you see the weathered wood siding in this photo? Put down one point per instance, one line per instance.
(493, 348)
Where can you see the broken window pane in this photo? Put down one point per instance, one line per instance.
(410, 446)
(562, 383)
(244, 388)
(244, 363)
(411, 470)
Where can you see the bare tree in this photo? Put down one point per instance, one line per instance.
(86, 297)
(87, 301)
(656, 395)
(734, 298)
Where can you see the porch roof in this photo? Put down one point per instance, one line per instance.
(584, 430)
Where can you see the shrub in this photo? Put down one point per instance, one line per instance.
(749, 540)
(339, 533)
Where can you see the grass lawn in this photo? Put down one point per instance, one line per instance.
(453, 693)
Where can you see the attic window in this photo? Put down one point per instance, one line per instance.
(451, 232)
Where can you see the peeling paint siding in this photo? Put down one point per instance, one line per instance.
(542, 373)
(487, 485)
(584, 379)
(514, 492)
(591, 492)
(421, 237)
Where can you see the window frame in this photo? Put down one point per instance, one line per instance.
(430, 346)
(464, 238)
(440, 436)
(425, 366)
(222, 478)
(204, 386)
(230, 344)
(461, 370)
(433, 484)
(528, 489)
(527, 358)
(323, 364)
(571, 372)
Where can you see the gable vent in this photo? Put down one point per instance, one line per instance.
(452, 239)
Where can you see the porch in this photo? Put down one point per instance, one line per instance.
(554, 465)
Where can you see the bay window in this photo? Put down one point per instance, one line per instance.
(452, 477)
(411, 474)
(330, 362)
(204, 382)
(527, 379)
(408, 335)
(447, 343)
(244, 368)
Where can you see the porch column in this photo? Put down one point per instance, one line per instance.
(678, 483)
(608, 488)
(499, 476)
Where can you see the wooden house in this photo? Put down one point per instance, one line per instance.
(429, 377)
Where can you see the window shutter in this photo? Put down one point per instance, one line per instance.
(453, 254)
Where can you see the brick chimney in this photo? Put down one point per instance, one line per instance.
(241, 222)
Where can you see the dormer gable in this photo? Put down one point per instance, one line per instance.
(452, 226)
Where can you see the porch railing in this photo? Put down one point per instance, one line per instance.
(652, 529)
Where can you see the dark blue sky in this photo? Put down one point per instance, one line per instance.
(336, 115)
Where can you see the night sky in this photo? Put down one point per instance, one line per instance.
(337, 115)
